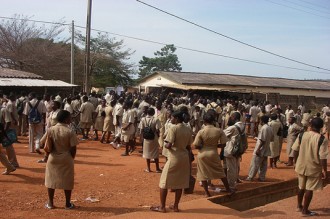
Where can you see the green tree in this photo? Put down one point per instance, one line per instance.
(109, 61)
(165, 60)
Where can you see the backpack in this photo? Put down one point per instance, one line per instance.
(241, 143)
(20, 107)
(34, 115)
(147, 132)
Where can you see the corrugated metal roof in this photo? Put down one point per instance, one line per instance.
(11, 73)
(192, 78)
(22, 82)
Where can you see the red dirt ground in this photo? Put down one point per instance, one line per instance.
(119, 183)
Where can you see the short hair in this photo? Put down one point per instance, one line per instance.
(209, 118)
(317, 123)
(178, 115)
(57, 103)
(151, 111)
(236, 116)
(273, 116)
(264, 119)
(62, 115)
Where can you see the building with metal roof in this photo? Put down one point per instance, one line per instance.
(235, 83)
(287, 91)
(11, 80)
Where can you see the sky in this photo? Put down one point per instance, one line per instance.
(296, 29)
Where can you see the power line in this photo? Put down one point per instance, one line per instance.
(238, 41)
(317, 5)
(205, 52)
(36, 21)
(300, 5)
(180, 47)
(287, 6)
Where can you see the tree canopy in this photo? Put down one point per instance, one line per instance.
(109, 61)
(164, 60)
(43, 51)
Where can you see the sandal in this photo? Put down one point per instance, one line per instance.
(310, 214)
(158, 209)
(47, 206)
(72, 206)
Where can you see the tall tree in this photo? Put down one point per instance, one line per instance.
(28, 47)
(109, 61)
(165, 60)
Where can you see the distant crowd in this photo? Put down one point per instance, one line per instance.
(171, 125)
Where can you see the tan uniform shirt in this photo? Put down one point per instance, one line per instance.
(86, 110)
(308, 162)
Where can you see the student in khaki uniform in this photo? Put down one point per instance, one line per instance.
(176, 171)
(232, 163)
(151, 146)
(274, 145)
(168, 125)
(128, 129)
(310, 156)
(306, 119)
(293, 132)
(60, 165)
(86, 117)
(209, 165)
(108, 126)
(99, 118)
(261, 151)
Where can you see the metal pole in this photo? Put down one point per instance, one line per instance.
(87, 47)
(72, 56)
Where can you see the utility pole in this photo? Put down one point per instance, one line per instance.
(72, 56)
(87, 48)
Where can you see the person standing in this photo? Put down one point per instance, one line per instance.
(35, 108)
(117, 120)
(11, 117)
(232, 162)
(310, 156)
(288, 114)
(293, 132)
(86, 117)
(20, 105)
(306, 119)
(3, 159)
(254, 110)
(209, 165)
(127, 128)
(176, 172)
(261, 151)
(99, 118)
(151, 146)
(108, 126)
(60, 165)
(275, 144)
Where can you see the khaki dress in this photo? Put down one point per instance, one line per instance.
(176, 172)
(99, 121)
(275, 145)
(150, 147)
(168, 125)
(60, 164)
(208, 161)
(108, 120)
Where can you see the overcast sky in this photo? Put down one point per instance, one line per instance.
(297, 29)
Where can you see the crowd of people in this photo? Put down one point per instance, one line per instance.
(171, 125)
